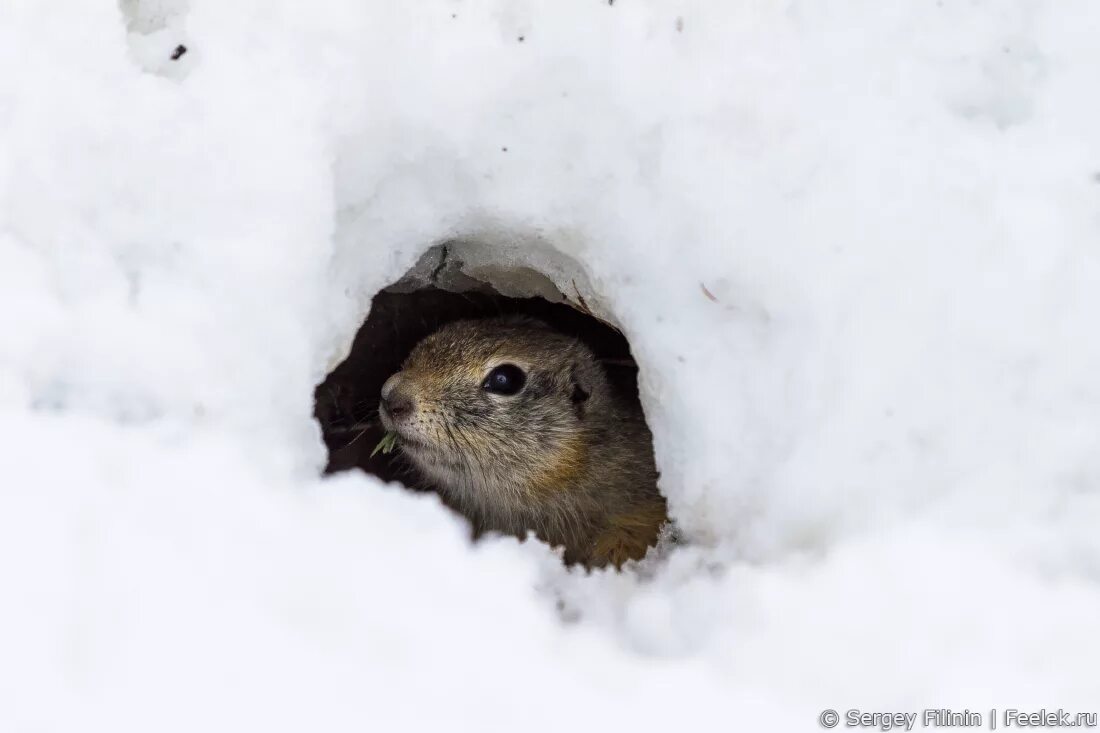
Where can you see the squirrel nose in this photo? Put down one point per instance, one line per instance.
(395, 402)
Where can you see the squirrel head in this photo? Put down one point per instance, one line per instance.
(495, 405)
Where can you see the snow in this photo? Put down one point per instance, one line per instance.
(879, 432)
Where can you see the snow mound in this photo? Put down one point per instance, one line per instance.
(854, 249)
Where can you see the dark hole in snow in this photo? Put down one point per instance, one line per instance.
(346, 403)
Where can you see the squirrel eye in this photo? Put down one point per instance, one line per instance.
(506, 379)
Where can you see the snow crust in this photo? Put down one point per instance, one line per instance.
(855, 249)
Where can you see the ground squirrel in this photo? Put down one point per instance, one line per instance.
(518, 428)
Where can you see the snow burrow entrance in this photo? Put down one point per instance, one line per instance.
(451, 281)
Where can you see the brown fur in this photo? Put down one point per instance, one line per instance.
(564, 458)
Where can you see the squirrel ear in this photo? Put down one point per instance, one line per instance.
(579, 394)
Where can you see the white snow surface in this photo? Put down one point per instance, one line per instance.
(879, 432)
